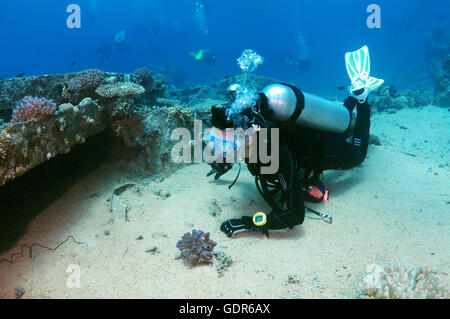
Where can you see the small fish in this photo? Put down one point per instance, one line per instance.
(20, 75)
(74, 62)
(341, 88)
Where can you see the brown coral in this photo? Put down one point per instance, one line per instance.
(86, 80)
(121, 89)
(4, 139)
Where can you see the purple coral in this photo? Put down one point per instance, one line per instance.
(86, 80)
(33, 108)
(196, 248)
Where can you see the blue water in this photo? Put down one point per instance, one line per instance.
(161, 33)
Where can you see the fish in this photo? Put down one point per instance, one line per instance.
(20, 75)
(74, 62)
(341, 88)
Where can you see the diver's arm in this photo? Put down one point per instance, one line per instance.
(293, 215)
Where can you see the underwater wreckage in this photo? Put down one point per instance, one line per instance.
(46, 116)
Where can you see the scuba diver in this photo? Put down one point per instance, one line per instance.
(204, 56)
(313, 134)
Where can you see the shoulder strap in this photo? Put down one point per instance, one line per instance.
(300, 103)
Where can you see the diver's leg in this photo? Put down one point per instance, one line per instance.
(340, 154)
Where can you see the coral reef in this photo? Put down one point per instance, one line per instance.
(82, 114)
(145, 76)
(154, 89)
(86, 80)
(442, 84)
(196, 248)
(388, 99)
(4, 139)
(53, 87)
(34, 142)
(120, 89)
(33, 108)
(216, 93)
(396, 282)
(153, 134)
(437, 47)
(223, 262)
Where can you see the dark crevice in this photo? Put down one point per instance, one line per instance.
(25, 197)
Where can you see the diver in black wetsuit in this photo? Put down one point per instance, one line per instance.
(304, 153)
(313, 137)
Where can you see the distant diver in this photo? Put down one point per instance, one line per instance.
(313, 135)
(121, 43)
(302, 63)
(204, 56)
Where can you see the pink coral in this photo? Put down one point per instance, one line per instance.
(33, 108)
(89, 79)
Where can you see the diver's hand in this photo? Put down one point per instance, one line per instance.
(219, 169)
(233, 226)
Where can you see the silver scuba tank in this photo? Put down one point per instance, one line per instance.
(288, 103)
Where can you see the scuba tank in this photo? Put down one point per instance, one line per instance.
(286, 103)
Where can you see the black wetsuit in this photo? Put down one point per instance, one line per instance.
(304, 150)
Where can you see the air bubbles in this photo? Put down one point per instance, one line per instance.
(249, 60)
(200, 17)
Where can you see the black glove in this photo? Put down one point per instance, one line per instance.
(219, 169)
(233, 226)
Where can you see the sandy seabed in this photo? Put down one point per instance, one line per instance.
(393, 209)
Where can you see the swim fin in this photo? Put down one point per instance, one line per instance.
(358, 69)
(197, 56)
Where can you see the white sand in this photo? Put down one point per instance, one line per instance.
(392, 209)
